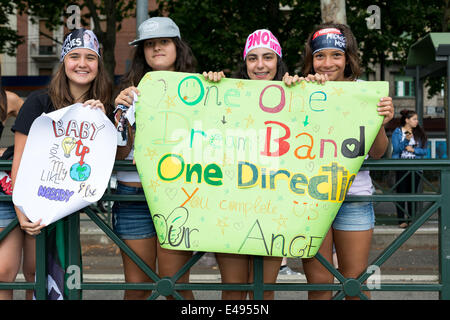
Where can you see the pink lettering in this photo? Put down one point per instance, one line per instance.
(265, 38)
(277, 108)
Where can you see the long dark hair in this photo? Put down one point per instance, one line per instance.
(281, 70)
(3, 100)
(418, 133)
(352, 69)
(184, 62)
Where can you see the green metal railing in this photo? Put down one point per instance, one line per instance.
(435, 201)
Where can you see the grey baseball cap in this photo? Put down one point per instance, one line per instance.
(156, 27)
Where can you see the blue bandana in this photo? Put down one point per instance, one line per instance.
(80, 38)
(329, 38)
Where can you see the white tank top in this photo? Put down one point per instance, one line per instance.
(362, 185)
(128, 176)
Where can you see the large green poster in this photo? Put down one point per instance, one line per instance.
(250, 167)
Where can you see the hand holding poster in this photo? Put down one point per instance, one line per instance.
(250, 167)
(66, 164)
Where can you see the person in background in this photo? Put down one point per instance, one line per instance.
(409, 141)
(10, 104)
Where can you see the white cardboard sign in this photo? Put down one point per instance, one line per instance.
(66, 164)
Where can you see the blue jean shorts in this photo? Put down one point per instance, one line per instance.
(132, 219)
(355, 216)
(7, 212)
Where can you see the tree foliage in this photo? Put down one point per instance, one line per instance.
(107, 16)
(217, 30)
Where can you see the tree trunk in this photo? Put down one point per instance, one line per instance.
(107, 37)
(333, 11)
(446, 15)
(110, 38)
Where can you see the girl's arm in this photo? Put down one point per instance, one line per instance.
(124, 151)
(386, 109)
(125, 98)
(25, 224)
(422, 151)
(379, 144)
(14, 104)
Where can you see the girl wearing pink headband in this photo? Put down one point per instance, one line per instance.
(260, 47)
(331, 54)
(262, 39)
(262, 61)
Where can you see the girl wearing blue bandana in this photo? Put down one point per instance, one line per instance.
(331, 53)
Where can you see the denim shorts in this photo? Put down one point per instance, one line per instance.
(132, 219)
(355, 216)
(7, 212)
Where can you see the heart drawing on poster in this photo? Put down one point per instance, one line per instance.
(66, 164)
(271, 164)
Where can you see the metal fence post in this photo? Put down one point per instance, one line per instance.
(444, 236)
(258, 278)
(73, 259)
(41, 265)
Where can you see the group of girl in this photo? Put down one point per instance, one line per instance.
(159, 46)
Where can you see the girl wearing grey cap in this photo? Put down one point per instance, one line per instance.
(159, 47)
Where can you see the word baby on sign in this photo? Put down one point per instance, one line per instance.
(250, 167)
(66, 164)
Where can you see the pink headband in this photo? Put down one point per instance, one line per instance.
(262, 39)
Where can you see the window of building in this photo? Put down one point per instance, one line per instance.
(46, 43)
(404, 86)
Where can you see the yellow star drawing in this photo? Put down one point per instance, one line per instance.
(153, 184)
(338, 91)
(150, 153)
(170, 101)
(147, 77)
(225, 159)
(228, 110)
(240, 85)
(249, 120)
(303, 84)
(281, 221)
(222, 224)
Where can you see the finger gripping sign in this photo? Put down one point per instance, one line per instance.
(66, 164)
(250, 167)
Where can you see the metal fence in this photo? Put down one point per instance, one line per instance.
(434, 199)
